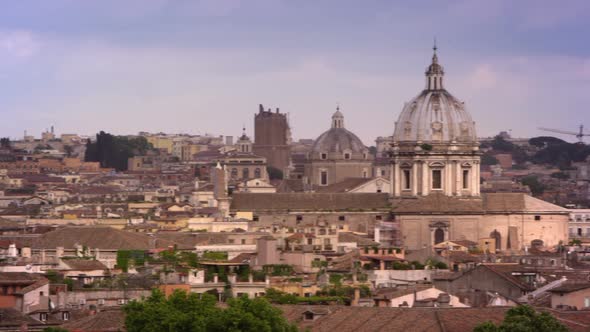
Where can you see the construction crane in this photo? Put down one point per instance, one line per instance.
(580, 134)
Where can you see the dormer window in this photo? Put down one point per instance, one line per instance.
(323, 156)
(347, 155)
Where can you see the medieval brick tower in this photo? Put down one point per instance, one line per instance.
(272, 138)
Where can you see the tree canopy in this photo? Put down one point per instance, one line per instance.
(115, 151)
(524, 319)
(532, 181)
(184, 312)
(488, 159)
(5, 142)
(274, 173)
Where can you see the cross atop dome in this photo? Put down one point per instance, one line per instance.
(435, 72)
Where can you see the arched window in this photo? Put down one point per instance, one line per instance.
(234, 173)
(257, 173)
(496, 236)
(439, 235)
(246, 173)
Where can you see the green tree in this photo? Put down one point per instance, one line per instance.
(5, 142)
(68, 149)
(488, 159)
(115, 151)
(524, 319)
(532, 181)
(274, 173)
(193, 312)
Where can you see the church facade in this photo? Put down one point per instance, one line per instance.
(435, 181)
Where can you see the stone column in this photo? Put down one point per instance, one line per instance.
(392, 179)
(397, 182)
(425, 179)
(477, 184)
(459, 178)
(474, 180)
(448, 179)
(414, 178)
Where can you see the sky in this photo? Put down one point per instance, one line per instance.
(204, 66)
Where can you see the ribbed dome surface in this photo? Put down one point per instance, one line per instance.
(338, 140)
(435, 116)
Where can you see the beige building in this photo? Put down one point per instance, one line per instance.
(435, 181)
(337, 154)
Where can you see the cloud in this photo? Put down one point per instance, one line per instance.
(484, 77)
(19, 43)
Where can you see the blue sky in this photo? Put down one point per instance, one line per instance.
(203, 66)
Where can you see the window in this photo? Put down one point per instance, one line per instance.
(436, 179)
(234, 173)
(257, 173)
(587, 302)
(465, 179)
(43, 316)
(341, 218)
(231, 241)
(323, 178)
(378, 218)
(243, 241)
(299, 217)
(406, 183)
(100, 301)
(65, 315)
(255, 218)
(537, 218)
(122, 301)
(347, 156)
(246, 173)
(323, 156)
(365, 174)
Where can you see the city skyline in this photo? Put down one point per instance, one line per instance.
(203, 67)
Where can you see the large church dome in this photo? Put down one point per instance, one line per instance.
(338, 140)
(435, 116)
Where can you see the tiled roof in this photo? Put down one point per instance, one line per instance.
(360, 240)
(345, 319)
(104, 321)
(488, 203)
(569, 287)
(102, 237)
(84, 264)
(343, 186)
(309, 201)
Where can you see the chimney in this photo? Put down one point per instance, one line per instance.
(278, 110)
(356, 298)
(260, 108)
